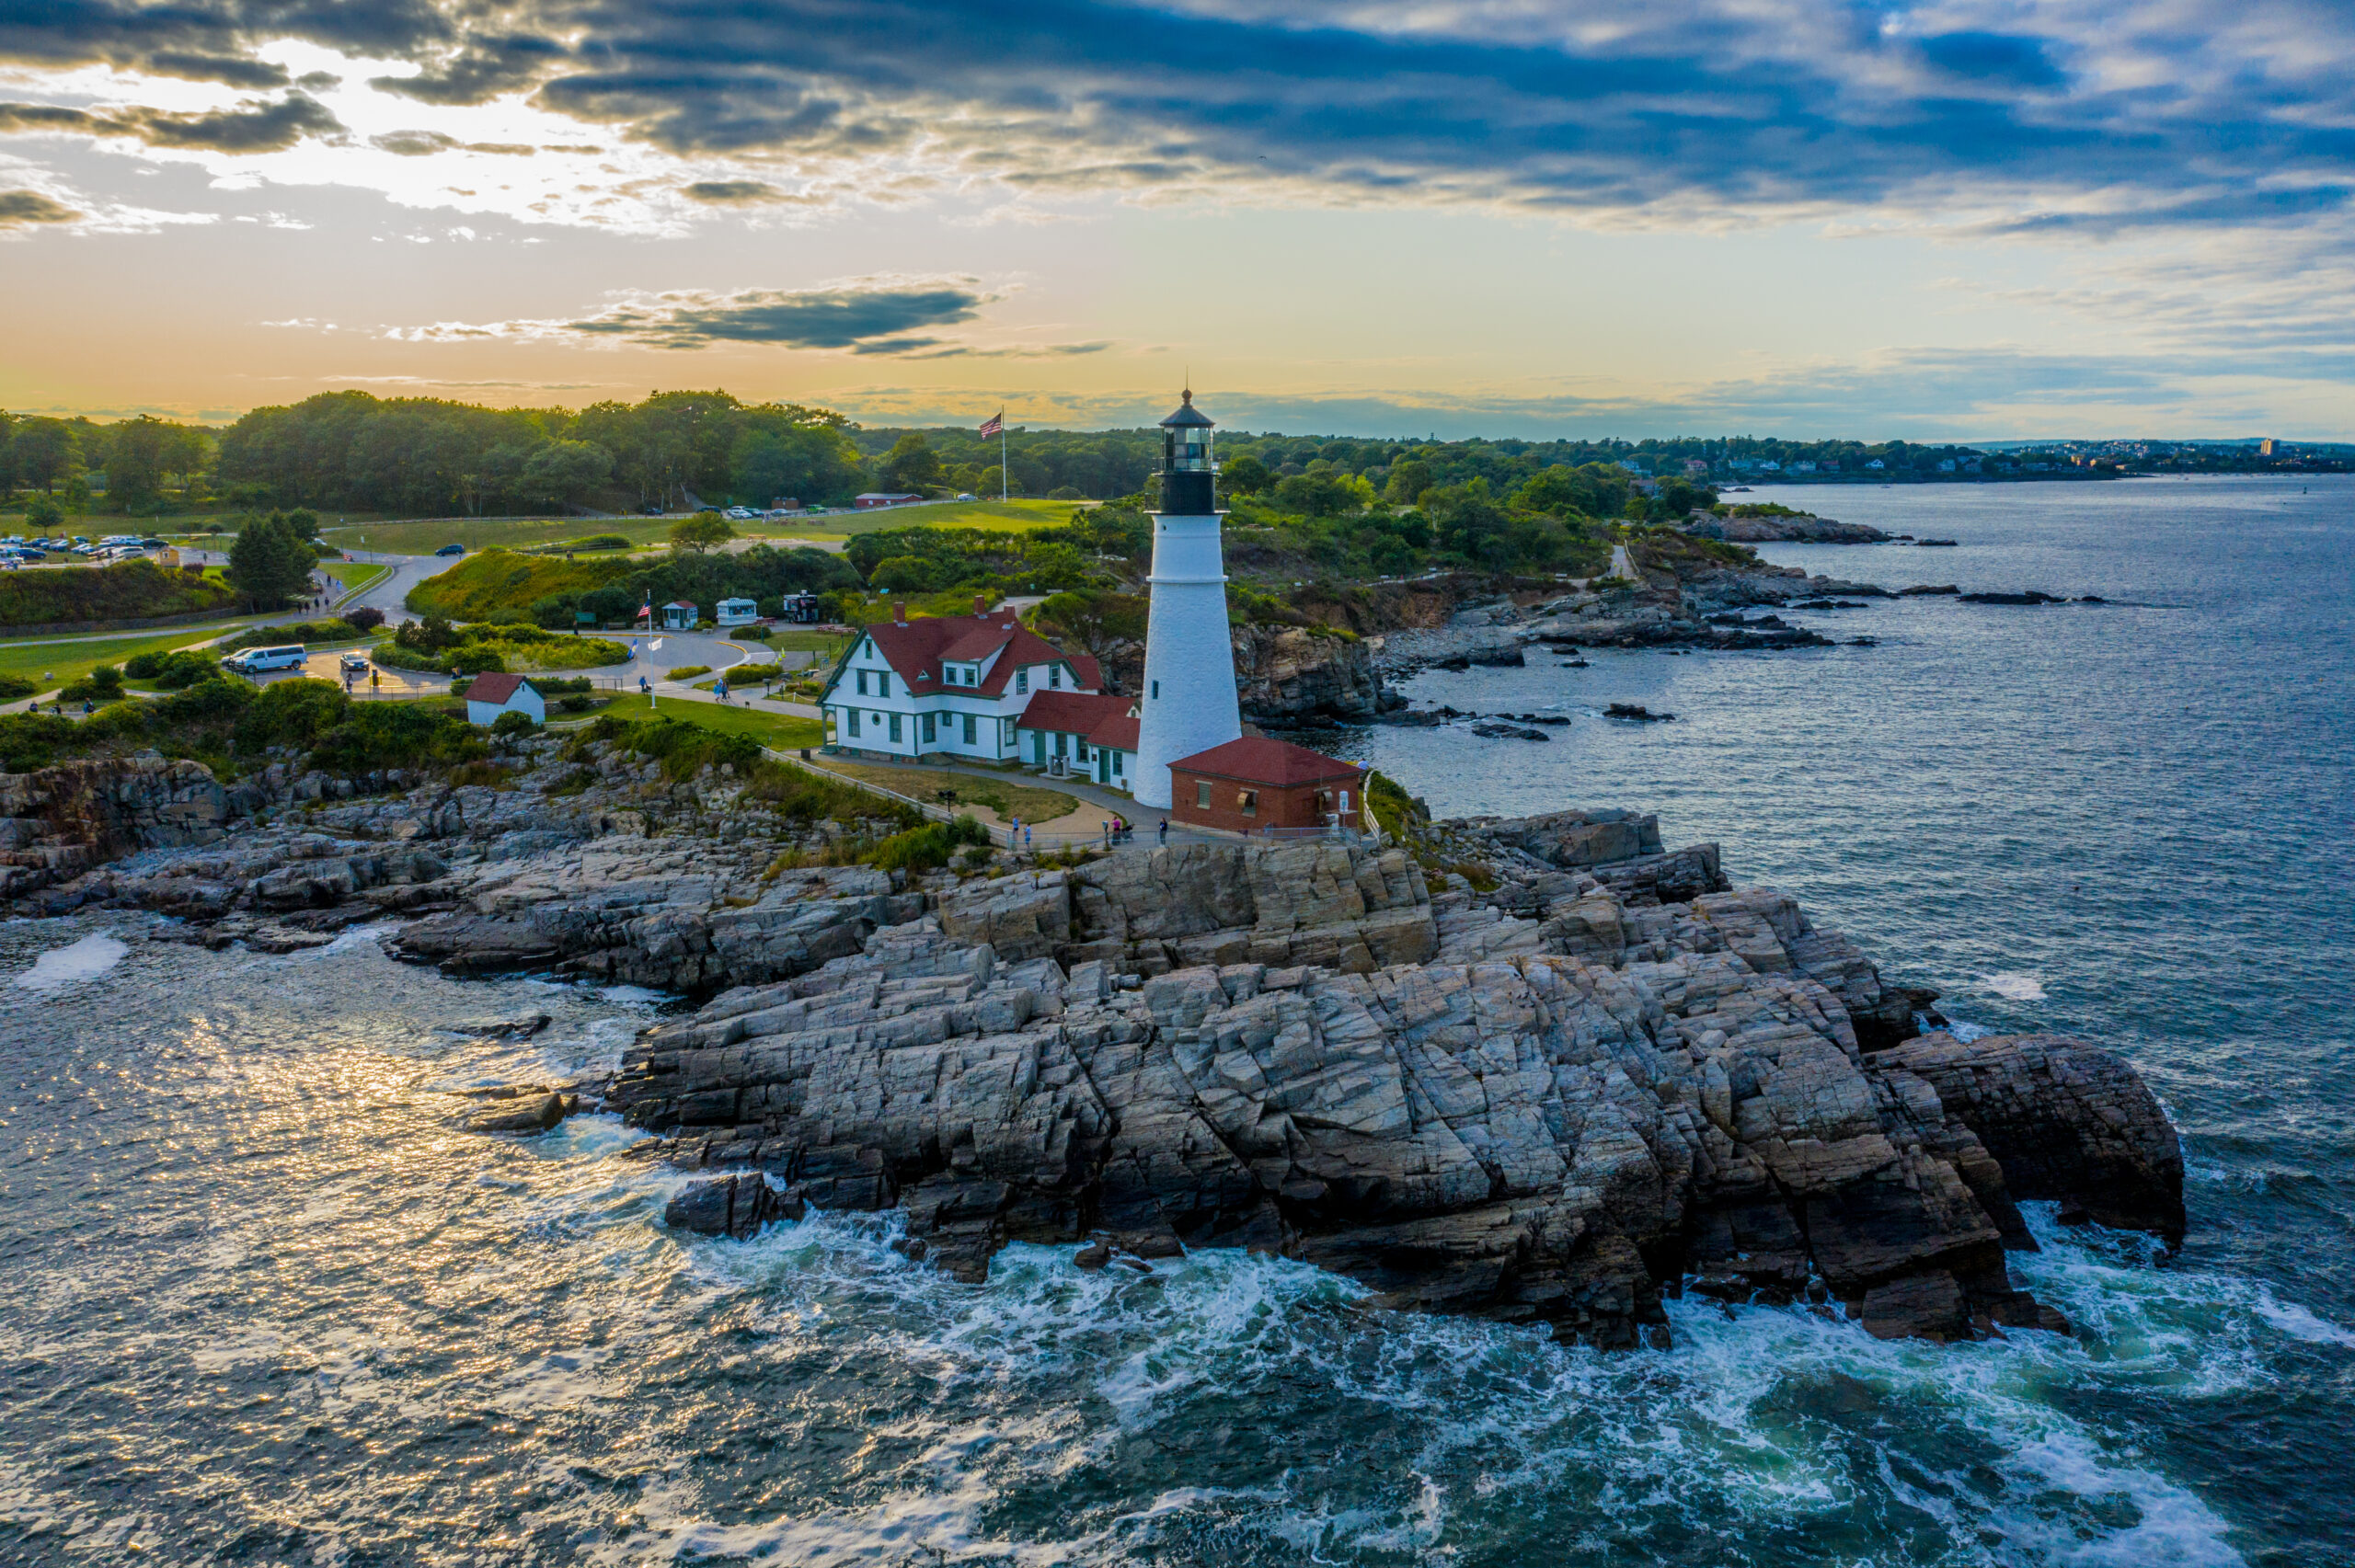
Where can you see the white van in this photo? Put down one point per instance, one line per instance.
(247, 662)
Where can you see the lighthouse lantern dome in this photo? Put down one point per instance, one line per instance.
(1186, 462)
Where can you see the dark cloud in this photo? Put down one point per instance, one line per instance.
(483, 70)
(250, 128)
(1701, 106)
(20, 209)
(217, 68)
(425, 144)
(868, 320)
(732, 192)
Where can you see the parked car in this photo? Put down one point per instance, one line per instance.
(153, 544)
(451, 550)
(356, 664)
(247, 661)
(739, 514)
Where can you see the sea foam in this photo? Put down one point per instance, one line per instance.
(84, 960)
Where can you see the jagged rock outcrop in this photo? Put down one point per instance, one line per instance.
(1803, 529)
(2066, 1120)
(1552, 1102)
(1292, 674)
(58, 822)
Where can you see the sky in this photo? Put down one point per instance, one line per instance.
(1974, 219)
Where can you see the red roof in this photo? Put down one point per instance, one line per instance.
(1104, 720)
(488, 688)
(914, 649)
(1276, 764)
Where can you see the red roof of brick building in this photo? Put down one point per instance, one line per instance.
(1279, 764)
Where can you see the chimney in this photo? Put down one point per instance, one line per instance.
(981, 605)
(899, 612)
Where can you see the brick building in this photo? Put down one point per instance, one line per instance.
(1247, 785)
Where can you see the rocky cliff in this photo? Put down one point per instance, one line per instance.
(1598, 1078)
(1294, 675)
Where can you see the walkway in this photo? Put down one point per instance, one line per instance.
(1086, 826)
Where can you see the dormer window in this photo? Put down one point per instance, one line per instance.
(1021, 681)
(1055, 676)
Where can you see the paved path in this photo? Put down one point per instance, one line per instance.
(389, 593)
(1083, 827)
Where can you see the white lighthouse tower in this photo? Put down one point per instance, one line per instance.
(1189, 703)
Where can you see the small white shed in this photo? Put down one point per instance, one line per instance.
(492, 695)
(736, 612)
(678, 616)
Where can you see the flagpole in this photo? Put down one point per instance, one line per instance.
(1002, 491)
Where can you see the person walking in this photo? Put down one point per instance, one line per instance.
(1026, 841)
(1164, 829)
(719, 688)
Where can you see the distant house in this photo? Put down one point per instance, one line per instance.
(870, 499)
(736, 612)
(803, 608)
(1092, 733)
(492, 695)
(1770, 467)
(1255, 784)
(678, 616)
(1803, 466)
(1875, 462)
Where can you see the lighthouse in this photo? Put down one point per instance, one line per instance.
(1189, 705)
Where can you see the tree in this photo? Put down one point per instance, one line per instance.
(44, 515)
(561, 472)
(1245, 475)
(1470, 521)
(1321, 494)
(903, 574)
(1100, 623)
(700, 532)
(910, 464)
(807, 463)
(1409, 479)
(43, 450)
(269, 564)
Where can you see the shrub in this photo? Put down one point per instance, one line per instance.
(510, 724)
(576, 703)
(103, 684)
(477, 658)
(366, 617)
(289, 713)
(33, 740)
(928, 847)
(337, 631)
(600, 542)
(688, 671)
(15, 686)
(372, 736)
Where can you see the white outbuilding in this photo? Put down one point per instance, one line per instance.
(493, 695)
(736, 612)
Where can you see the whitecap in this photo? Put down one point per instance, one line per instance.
(1965, 1031)
(2299, 1323)
(2013, 985)
(85, 960)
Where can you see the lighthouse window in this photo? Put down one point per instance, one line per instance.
(1157, 691)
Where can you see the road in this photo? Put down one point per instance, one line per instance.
(389, 593)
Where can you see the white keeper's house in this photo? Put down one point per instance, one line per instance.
(950, 685)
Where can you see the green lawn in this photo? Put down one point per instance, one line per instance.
(424, 538)
(1008, 797)
(998, 516)
(67, 662)
(780, 732)
(355, 575)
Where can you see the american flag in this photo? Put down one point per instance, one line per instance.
(994, 424)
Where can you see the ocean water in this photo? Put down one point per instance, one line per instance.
(267, 1304)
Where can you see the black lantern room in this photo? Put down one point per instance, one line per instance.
(1186, 465)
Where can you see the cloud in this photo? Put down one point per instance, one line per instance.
(859, 316)
(425, 144)
(252, 127)
(22, 209)
(732, 192)
(1689, 110)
